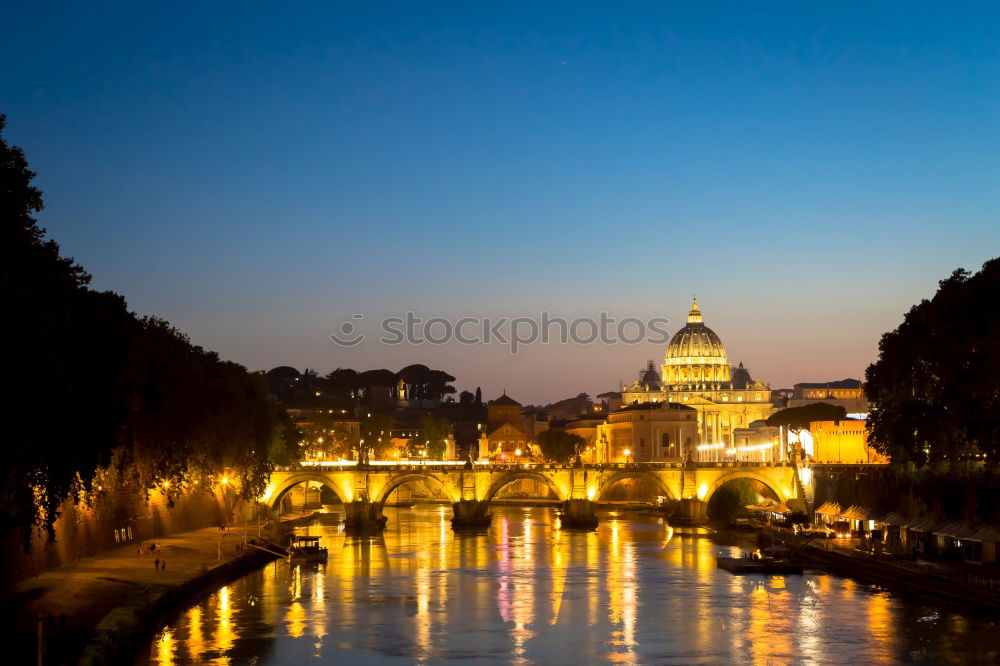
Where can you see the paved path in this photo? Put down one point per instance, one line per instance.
(86, 590)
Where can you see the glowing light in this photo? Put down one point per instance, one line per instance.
(702, 491)
(165, 647)
(517, 452)
(708, 447)
(591, 493)
(224, 480)
(805, 475)
(755, 447)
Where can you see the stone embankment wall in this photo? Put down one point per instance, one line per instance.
(123, 519)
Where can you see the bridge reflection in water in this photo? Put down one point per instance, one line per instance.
(633, 591)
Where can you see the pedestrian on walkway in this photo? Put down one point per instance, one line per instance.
(163, 565)
(156, 564)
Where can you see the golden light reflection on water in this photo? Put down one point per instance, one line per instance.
(634, 591)
(165, 648)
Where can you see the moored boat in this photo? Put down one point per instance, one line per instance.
(759, 565)
(307, 549)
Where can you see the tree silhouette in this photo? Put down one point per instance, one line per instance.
(935, 387)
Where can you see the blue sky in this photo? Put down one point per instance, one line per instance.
(258, 173)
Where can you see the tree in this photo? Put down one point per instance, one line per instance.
(436, 431)
(799, 418)
(559, 445)
(935, 387)
(325, 433)
(128, 400)
(67, 347)
(376, 433)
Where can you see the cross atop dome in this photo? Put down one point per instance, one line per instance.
(694, 314)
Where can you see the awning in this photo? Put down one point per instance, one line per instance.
(924, 525)
(987, 533)
(892, 519)
(856, 512)
(956, 530)
(828, 509)
(769, 506)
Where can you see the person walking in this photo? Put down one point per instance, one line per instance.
(156, 563)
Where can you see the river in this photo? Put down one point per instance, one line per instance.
(633, 592)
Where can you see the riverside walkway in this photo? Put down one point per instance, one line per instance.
(74, 599)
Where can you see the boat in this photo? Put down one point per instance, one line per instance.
(306, 549)
(757, 564)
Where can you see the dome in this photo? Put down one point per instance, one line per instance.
(741, 377)
(695, 339)
(695, 354)
(649, 377)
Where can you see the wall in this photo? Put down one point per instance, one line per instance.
(83, 530)
(843, 442)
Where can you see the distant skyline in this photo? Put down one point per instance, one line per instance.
(257, 175)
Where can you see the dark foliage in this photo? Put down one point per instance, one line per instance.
(96, 388)
(799, 418)
(935, 387)
(559, 445)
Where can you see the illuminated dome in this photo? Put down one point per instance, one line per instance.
(695, 354)
(742, 378)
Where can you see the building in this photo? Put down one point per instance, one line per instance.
(586, 428)
(697, 374)
(843, 442)
(534, 422)
(504, 436)
(647, 432)
(758, 442)
(846, 393)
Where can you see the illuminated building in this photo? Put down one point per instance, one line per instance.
(846, 393)
(697, 374)
(587, 429)
(843, 442)
(758, 442)
(504, 435)
(647, 432)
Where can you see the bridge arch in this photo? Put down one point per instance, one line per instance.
(406, 477)
(746, 474)
(287, 484)
(510, 477)
(614, 478)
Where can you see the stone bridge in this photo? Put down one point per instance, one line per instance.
(687, 486)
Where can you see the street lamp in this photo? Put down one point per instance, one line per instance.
(627, 452)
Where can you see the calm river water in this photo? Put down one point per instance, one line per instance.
(634, 591)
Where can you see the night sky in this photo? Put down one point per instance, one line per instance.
(256, 174)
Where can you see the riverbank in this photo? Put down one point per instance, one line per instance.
(939, 581)
(93, 610)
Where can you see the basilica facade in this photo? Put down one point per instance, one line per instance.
(697, 374)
